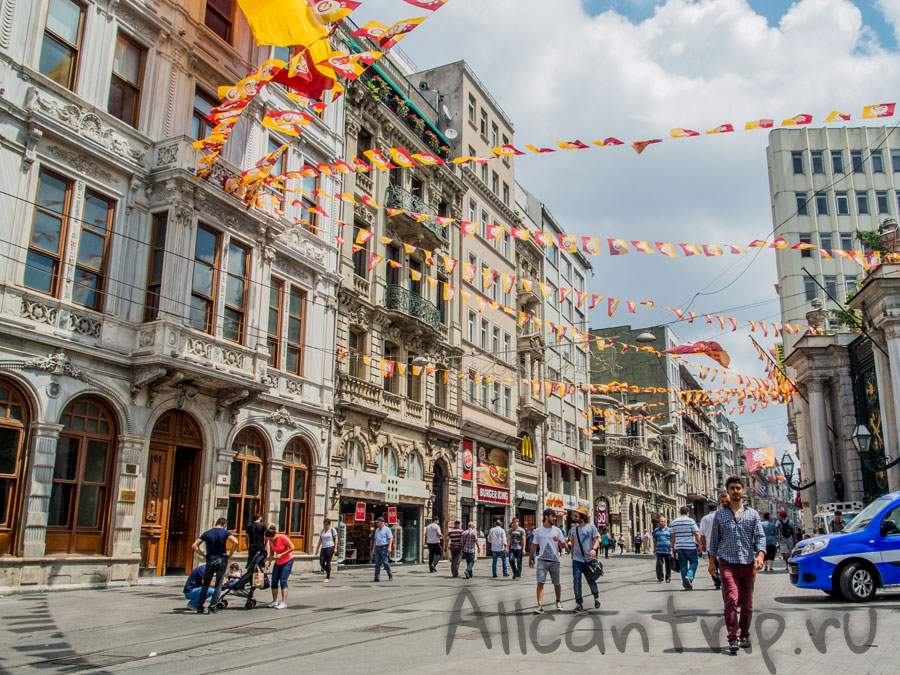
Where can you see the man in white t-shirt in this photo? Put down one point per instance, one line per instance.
(433, 537)
(497, 540)
(548, 541)
(706, 524)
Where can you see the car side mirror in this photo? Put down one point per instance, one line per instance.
(888, 528)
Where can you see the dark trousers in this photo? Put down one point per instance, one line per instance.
(515, 561)
(325, 556)
(254, 553)
(737, 591)
(455, 558)
(434, 556)
(470, 561)
(215, 567)
(663, 560)
(606, 551)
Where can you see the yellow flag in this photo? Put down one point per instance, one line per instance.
(282, 23)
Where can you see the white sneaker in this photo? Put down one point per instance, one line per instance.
(272, 605)
(559, 607)
(281, 605)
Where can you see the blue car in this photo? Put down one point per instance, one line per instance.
(854, 563)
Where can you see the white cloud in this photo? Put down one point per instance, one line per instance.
(562, 74)
(891, 11)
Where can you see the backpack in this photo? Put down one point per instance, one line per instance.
(787, 530)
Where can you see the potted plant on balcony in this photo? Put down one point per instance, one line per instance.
(446, 153)
(432, 140)
(416, 123)
(376, 86)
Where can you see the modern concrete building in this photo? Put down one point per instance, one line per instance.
(166, 353)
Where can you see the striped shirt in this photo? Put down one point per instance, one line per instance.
(455, 536)
(470, 541)
(683, 527)
(737, 540)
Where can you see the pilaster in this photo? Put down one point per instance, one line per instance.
(125, 524)
(42, 457)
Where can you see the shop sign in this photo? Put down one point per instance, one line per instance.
(554, 501)
(522, 495)
(392, 515)
(570, 502)
(526, 449)
(602, 517)
(488, 493)
(493, 467)
(360, 511)
(468, 460)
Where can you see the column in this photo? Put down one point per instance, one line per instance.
(125, 520)
(807, 461)
(274, 497)
(39, 483)
(889, 392)
(820, 444)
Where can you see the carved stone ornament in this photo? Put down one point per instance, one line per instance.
(374, 428)
(144, 377)
(166, 155)
(283, 417)
(38, 311)
(57, 364)
(81, 163)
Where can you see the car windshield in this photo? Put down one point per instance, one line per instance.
(865, 516)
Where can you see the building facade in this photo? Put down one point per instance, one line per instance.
(166, 353)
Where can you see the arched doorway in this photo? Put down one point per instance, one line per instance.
(172, 489)
(15, 418)
(246, 483)
(439, 494)
(296, 498)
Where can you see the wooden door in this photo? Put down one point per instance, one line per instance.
(182, 511)
(154, 527)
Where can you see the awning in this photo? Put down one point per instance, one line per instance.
(550, 459)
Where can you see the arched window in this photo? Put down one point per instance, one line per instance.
(13, 426)
(414, 467)
(387, 462)
(246, 485)
(82, 473)
(354, 458)
(293, 516)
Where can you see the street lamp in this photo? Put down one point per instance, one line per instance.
(646, 336)
(862, 441)
(787, 470)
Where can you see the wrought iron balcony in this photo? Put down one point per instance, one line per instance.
(398, 198)
(399, 298)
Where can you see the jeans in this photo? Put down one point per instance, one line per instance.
(193, 596)
(455, 557)
(737, 592)
(215, 567)
(515, 561)
(434, 556)
(470, 561)
(577, 571)
(501, 555)
(280, 574)
(687, 561)
(663, 560)
(381, 558)
(325, 556)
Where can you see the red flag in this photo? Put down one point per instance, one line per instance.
(617, 246)
(879, 110)
(711, 349)
(373, 30)
(426, 4)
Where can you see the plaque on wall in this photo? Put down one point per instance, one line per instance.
(127, 496)
(221, 502)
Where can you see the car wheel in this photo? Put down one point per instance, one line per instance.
(857, 583)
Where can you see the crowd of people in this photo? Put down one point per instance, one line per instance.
(737, 540)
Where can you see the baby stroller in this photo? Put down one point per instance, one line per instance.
(243, 586)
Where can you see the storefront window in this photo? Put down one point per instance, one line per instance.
(293, 516)
(387, 462)
(246, 485)
(13, 424)
(354, 458)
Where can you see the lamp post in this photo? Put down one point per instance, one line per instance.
(875, 462)
(787, 470)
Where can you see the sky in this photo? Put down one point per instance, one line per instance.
(634, 69)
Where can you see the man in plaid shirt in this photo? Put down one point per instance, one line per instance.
(739, 542)
(469, 541)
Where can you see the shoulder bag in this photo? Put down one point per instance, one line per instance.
(593, 568)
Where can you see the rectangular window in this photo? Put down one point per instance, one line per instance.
(837, 161)
(413, 381)
(495, 135)
(506, 194)
(390, 382)
(484, 174)
(485, 393)
(484, 333)
(850, 284)
(363, 142)
(508, 353)
(296, 317)
(802, 203)
(862, 203)
(155, 266)
(361, 256)
(471, 326)
(203, 105)
(818, 161)
(495, 399)
(125, 83)
(877, 161)
(856, 159)
(551, 254)
(821, 204)
(809, 289)
(473, 210)
(93, 242)
(805, 238)
(830, 286)
(842, 203)
(825, 241)
(307, 199)
(495, 344)
(472, 112)
(895, 160)
(203, 286)
(273, 324)
(42, 262)
(881, 201)
(483, 127)
(473, 394)
(507, 245)
(495, 183)
(507, 402)
(846, 241)
(797, 161)
(356, 342)
(236, 283)
(218, 17)
(600, 465)
(61, 43)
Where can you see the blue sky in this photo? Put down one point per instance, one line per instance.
(773, 10)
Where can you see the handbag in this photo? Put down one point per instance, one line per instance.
(593, 568)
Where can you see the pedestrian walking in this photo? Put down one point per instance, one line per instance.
(637, 543)
(469, 541)
(433, 539)
(737, 538)
(256, 542)
(604, 542)
(547, 543)
(326, 547)
(281, 549)
(837, 525)
(497, 540)
(515, 544)
(662, 548)
(585, 543)
(382, 544)
(454, 535)
(771, 542)
(621, 545)
(194, 585)
(685, 542)
(216, 553)
(787, 536)
(705, 529)
(645, 542)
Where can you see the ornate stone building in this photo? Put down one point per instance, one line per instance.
(166, 353)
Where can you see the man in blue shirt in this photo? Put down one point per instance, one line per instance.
(662, 547)
(194, 585)
(685, 542)
(382, 544)
(771, 542)
(738, 539)
(216, 554)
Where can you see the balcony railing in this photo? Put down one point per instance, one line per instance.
(398, 198)
(399, 298)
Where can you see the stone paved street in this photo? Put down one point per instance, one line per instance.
(353, 626)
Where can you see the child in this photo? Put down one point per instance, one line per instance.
(234, 573)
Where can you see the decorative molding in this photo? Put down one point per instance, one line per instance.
(167, 154)
(38, 311)
(85, 325)
(283, 417)
(6, 22)
(144, 377)
(81, 163)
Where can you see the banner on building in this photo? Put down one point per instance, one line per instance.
(468, 460)
(493, 466)
(360, 511)
(759, 458)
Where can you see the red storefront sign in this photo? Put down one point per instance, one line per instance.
(601, 519)
(468, 460)
(360, 511)
(486, 493)
(392, 515)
